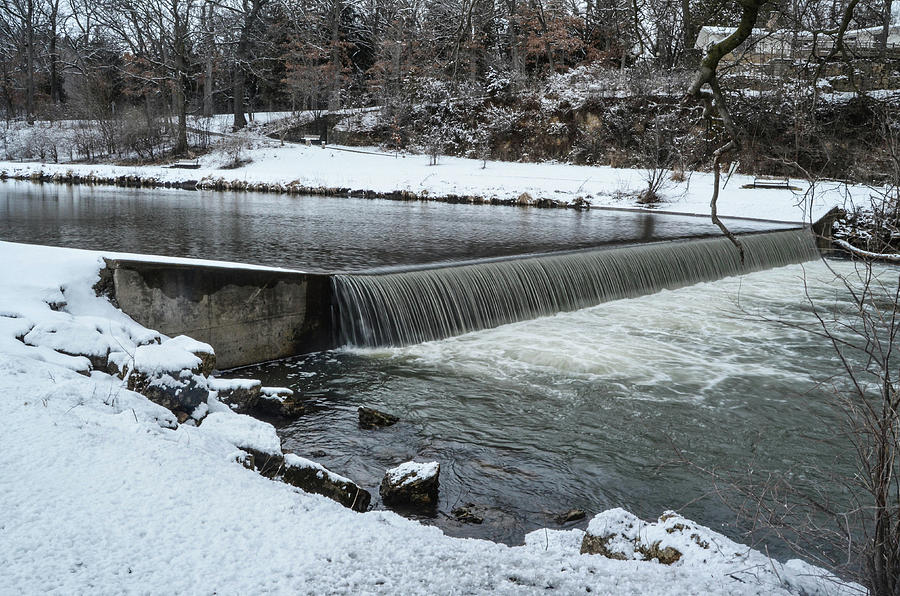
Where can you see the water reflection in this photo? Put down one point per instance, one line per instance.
(313, 233)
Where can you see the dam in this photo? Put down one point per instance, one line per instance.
(255, 315)
(356, 272)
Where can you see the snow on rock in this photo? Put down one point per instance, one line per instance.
(675, 540)
(279, 401)
(279, 393)
(70, 336)
(242, 394)
(315, 478)
(155, 360)
(256, 437)
(411, 471)
(202, 350)
(411, 484)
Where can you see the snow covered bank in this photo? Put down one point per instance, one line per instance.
(103, 491)
(343, 170)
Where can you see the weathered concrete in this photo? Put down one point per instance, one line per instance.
(823, 229)
(247, 315)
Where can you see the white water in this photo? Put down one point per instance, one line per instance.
(427, 304)
(583, 409)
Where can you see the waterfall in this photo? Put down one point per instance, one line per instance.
(412, 306)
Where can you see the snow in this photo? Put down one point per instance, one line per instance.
(295, 461)
(155, 359)
(216, 384)
(380, 171)
(242, 431)
(104, 492)
(409, 472)
(276, 392)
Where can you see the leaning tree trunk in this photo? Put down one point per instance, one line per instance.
(715, 103)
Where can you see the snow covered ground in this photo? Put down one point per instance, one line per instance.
(383, 172)
(102, 492)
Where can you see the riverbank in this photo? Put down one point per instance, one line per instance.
(104, 491)
(268, 166)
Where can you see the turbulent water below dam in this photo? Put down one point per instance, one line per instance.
(586, 409)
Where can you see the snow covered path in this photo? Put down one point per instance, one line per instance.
(102, 493)
(371, 169)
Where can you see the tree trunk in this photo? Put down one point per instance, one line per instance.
(242, 56)
(240, 121)
(885, 28)
(55, 93)
(334, 96)
(179, 95)
(206, 17)
(29, 62)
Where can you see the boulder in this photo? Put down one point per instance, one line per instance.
(570, 516)
(525, 199)
(279, 402)
(470, 513)
(180, 394)
(242, 394)
(315, 478)
(201, 350)
(255, 437)
(411, 484)
(370, 418)
(580, 204)
(618, 534)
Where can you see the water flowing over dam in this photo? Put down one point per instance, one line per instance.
(408, 307)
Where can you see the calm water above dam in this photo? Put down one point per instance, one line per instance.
(314, 233)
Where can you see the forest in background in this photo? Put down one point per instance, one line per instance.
(600, 81)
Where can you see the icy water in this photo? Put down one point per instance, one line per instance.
(586, 409)
(314, 233)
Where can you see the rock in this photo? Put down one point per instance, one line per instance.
(411, 484)
(243, 394)
(201, 350)
(267, 464)
(371, 418)
(255, 437)
(618, 534)
(179, 394)
(468, 514)
(525, 199)
(570, 516)
(597, 545)
(580, 204)
(315, 478)
(279, 402)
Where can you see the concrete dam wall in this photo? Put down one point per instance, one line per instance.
(247, 315)
(253, 315)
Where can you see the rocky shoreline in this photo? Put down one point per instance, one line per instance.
(293, 189)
